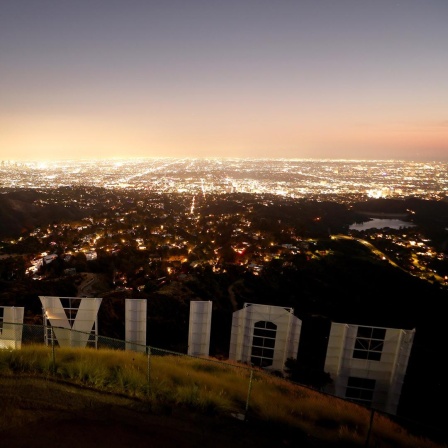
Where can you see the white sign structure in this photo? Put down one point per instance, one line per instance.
(135, 324)
(11, 327)
(71, 313)
(199, 328)
(264, 336)
(368, 364)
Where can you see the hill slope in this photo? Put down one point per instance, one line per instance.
(36, 411)
(20, 214)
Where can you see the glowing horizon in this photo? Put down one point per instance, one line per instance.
(307, 80)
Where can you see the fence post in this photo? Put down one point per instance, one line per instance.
(148, 349)
(372, 413)
(248, 394)
(53, 353)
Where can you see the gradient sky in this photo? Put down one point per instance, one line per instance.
(358, 79)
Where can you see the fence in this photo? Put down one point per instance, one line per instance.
(243, 387)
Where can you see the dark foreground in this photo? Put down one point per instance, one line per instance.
(39, 413)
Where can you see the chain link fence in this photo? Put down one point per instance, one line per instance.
(245, 388)
(153, 375)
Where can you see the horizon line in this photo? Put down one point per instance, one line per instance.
(217, 158)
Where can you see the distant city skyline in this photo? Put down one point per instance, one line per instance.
(308, 79)
(281, 177)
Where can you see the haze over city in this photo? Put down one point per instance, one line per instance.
(304, 79)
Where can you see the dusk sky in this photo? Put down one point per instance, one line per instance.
(341, 79)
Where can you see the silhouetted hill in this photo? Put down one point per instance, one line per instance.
(418, 210)
(431, 216)
(22, 211)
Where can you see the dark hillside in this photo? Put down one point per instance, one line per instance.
(430, 216)
(19, 215)
(69, 416)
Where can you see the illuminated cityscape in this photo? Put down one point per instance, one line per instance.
(290, 178)
(213, 211)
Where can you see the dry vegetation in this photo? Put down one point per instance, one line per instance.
(161, 384)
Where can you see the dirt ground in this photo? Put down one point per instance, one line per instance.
(39, 413)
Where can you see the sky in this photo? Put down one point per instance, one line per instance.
(299, 79)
